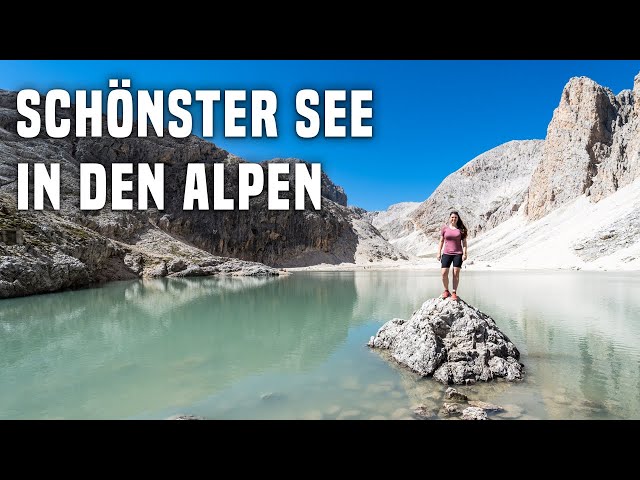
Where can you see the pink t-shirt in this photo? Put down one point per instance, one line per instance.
(452, 240)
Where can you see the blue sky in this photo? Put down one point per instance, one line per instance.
(430, 117)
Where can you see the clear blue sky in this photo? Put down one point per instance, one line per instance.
(430, 117)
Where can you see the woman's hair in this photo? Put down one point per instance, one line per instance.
(459, 225)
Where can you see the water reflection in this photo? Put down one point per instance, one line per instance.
(162, 341)
(147, 348)
(577, 333)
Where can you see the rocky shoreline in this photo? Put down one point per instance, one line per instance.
(49, 253)
(52, 250)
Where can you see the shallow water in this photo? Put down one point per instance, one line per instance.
(294, 347)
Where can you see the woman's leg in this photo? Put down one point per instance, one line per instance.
(445, 278)
(456, 277)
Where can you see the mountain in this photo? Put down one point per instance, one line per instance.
(570, 201)
(486, 191)
(592, 146)
(51, 250)
(392, 222)
(583, 199)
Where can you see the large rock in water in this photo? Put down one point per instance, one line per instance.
(452, 341)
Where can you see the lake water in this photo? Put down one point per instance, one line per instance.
(294, 347)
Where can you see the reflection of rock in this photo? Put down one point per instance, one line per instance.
(452, 341)
(386, 294)
(203, 335)
(474, 413)
(573, 355)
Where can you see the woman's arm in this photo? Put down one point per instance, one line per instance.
(464, 249)
(440, 248)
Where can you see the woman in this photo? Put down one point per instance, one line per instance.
(454, 238)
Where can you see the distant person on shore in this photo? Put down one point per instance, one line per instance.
(453, 236)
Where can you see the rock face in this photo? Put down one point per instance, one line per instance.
(592, 146)
(452, 341)
(372, 246)
(394, 222)
(453, 394)
(49, 253)
(72, 248)
(580, 210)
(474, 413)
(591, 151)
(486, 191)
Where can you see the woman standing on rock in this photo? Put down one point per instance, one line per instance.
(454, 238)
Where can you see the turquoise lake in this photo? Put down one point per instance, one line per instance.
(295, 347)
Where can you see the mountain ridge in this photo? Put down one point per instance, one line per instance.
(591, 153)
(52, 250)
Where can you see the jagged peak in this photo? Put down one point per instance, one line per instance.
(329, 189)
(580, 89)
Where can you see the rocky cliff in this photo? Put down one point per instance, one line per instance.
(90, 247)
(486, 191)
(580, 208)
(540, 193)
(394, 222)
(592, 146)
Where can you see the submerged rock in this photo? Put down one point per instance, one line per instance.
(423, 412)
(451, 409)
(511, 412)
(487, 407)
(474, 413)
(269, 396)
(453, 394)
(451, 340)
(185, 417)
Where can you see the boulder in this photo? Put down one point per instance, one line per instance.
(451, 341)
(474, 413)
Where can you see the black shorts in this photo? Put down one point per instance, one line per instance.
(448, 259)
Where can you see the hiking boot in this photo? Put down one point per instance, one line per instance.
(454, 296)
(446, 294)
